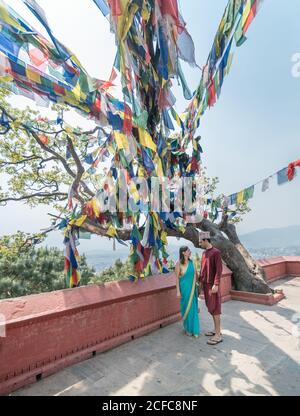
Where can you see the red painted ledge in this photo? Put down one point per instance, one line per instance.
(268, 299)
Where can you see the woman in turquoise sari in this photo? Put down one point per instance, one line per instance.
(187, 291)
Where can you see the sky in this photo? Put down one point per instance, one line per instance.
(251, 132)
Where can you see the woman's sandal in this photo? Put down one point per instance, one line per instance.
(210, 334)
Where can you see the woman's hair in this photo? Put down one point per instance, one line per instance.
(181, 251)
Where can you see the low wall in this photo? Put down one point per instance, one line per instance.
(47, 332)
(278, 267)
(50, 331)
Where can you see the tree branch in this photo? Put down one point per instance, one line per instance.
(57, 195)
(42, 145)
(80, 170)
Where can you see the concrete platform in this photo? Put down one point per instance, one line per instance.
(260, 355)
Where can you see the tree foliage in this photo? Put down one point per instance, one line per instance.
(42, 160)
(26, 270)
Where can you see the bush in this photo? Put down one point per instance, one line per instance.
(36, 271)
(29, 270)
(120, 271)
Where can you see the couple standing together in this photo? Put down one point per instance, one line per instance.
(188, 284)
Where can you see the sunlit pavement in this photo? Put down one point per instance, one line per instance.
(260, 355)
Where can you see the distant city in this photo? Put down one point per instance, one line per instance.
(261, 244)
(101, 261)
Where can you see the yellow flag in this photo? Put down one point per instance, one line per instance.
(111, 232)
(155, 224)
(163, 238)
(240, 197)
(159, 169)
(6, 78)
(77, 91)
(121, 140)
(146, 139)
(121, 19)
(79, 221)
(5, 17)
(128, 21)
(134, 191)
(95, 207)
(141, 172)
(246, 12)
(33, 76)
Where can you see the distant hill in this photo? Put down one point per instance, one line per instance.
(261, 244)
(272, 237)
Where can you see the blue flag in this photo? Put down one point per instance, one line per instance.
(39, 13)
(102, 5)
(282, 176)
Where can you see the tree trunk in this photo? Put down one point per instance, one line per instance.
(246, 273)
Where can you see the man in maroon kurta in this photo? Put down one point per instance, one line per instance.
(210, 275)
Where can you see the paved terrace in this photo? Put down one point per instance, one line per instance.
(260, 355)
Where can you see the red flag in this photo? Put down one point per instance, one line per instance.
(37, 57)
(251, 16)
(127, 122)
(115, 7)
(212, 94)
(44, 139)
(291, 169)
(170, 7)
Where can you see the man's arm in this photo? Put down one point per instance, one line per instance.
(200, 276)
(219, 268)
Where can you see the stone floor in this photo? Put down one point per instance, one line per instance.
(260, 355)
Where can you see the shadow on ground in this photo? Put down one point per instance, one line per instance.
(260, 355)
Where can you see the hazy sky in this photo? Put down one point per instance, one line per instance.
(253, 130)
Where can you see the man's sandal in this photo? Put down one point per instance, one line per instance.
(210, 334)
(214, 341)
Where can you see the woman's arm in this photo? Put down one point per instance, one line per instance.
(197, 279)
(177, 274)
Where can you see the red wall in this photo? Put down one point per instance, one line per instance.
(50, 331)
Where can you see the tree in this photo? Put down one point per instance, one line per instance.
(26, 270)
(41, 163)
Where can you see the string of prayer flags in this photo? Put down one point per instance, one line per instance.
(32, 66)
(40, 15)
(152, 39)
(235, 22)
(71, 267)
(283, 176)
